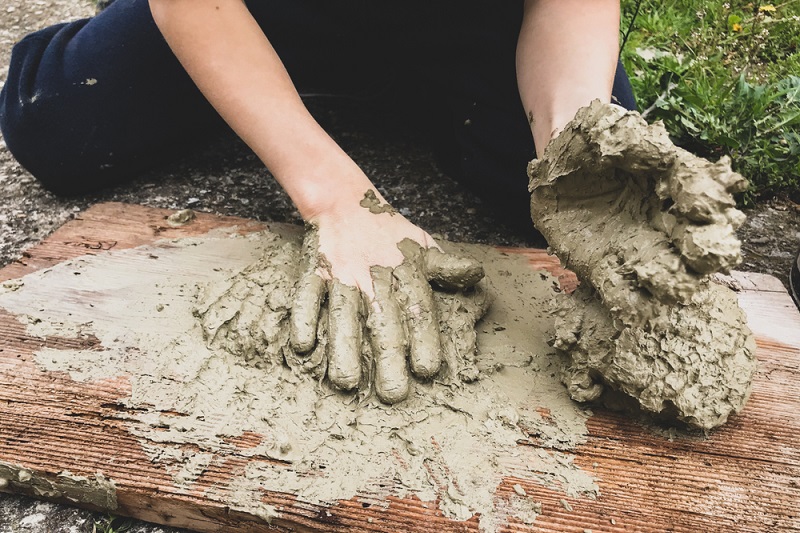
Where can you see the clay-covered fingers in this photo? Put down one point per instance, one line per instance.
(415, 296)
(697, 209)
(309, 293)
(223, 306)
(387, 338)
(345, 326)
(703, 219)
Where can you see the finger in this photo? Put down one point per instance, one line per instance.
(245, 332)
(309, 291)
(345, 319)
(305, 312)
(225, 308)
(451, 272)
(314, 362)
(415, 297)
(458, 312)
(388, 339)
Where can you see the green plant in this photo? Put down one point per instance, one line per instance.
(723, 77)
(111, 524)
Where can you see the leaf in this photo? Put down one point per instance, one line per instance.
(689, 125)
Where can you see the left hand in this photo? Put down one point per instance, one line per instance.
(376, 268)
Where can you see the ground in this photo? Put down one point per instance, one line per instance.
(225, 177)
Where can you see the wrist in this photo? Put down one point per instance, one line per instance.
(548, 127)
(333, 191)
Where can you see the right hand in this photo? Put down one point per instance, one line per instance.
(644, 224)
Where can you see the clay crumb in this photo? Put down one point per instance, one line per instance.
(587, 531)
(12, 284)
(613, 522)
(519, 490)
(565, 504)
(181, 218)
(24, 476)
(266, 512)
(371, 202)
(3, 483)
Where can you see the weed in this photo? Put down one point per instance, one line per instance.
(111, 524)
(723, 77)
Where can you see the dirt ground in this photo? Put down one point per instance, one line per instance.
(225, 177)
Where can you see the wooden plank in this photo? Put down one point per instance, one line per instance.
(117, 226)
(743, 477)
(752, 281)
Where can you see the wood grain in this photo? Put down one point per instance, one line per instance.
(743, 477)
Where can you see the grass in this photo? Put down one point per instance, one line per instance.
(111, 524)
(724, 77)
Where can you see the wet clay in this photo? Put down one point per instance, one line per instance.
(181, 218)
(453, 441)
(310, 289)
(96, 491)
(371, 202)
(356, 342)
(644, 224)
(368, 342)
(345, 335)
(388, 339)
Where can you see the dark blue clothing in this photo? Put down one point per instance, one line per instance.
(94, 102)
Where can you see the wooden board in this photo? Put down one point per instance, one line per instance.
(744, 477)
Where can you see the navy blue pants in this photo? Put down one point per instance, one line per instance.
(94, 102)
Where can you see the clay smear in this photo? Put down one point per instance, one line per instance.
(451, 443)
(373, 203)
(644, 224)
(96, 490)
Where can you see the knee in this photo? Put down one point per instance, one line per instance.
(25, 126)
(34, 140)
(36, 123)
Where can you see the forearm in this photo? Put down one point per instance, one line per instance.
(233, 63)
(566, 57)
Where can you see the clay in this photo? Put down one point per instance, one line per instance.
(452, 442)
(451, 272)
(181, 218)
(415, 298)
(356, 343)
(308, 296)
(371, 202)
(97, 491)
(388, 339)
(644, 224)
(345, 335)
(400, 324)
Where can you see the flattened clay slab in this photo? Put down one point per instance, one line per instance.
(183, 457)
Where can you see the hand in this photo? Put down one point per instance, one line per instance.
(355, 321)
(643, 224)
(376, 269)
